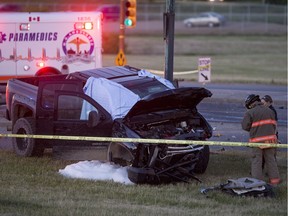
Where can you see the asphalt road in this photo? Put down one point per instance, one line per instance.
(156, 27)
(224, 111)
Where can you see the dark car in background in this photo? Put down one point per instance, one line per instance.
(10, 7)
(110, 12)
(210, 19)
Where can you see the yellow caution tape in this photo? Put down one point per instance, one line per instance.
(204, 67)
(175, 73)
(150, 141)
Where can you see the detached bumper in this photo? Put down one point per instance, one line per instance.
(142, 175)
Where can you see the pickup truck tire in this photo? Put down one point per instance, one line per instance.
(26, 147)
(203, 161)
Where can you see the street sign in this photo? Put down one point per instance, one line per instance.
(204, 70)
(120, 58)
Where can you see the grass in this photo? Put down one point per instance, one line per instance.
(33, 186)
(242, 59)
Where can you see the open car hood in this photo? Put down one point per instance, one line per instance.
(170, 99)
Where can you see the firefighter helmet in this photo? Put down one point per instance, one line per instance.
(267, 98)
(250, 100)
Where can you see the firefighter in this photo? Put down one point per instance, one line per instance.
(267, 101)
(260, 122)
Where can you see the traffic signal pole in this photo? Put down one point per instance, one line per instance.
(120, 58)
(122, 27)
(128, 19)
(169, 20)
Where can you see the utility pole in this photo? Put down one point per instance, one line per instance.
(169, 20)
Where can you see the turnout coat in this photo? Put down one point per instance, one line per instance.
(261, 124)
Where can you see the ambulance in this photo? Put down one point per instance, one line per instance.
(36, 44)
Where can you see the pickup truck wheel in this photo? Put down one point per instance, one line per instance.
(26, 147)
(203, 161)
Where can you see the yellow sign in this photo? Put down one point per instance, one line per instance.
(120, 59)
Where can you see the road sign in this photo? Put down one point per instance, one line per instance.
(204, 70)
(120, 59)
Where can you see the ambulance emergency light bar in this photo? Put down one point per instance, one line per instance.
(24, 27)
(78, 26)
(86, 25)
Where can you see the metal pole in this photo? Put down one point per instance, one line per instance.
(122, 27)
(120, 58)
(169, 39)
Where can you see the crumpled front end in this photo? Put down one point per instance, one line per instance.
(170, 115)
(162, 163)
(166, 164)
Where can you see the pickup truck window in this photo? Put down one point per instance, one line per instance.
(71, 107)
(47, 98)
(144, 88)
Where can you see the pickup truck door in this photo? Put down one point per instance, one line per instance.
(72, 116)
(63, 109)
(45, 106)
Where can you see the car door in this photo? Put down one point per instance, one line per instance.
(73, 116)
(203, 19)
(60, 110)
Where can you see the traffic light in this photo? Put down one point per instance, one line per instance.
(130, 13)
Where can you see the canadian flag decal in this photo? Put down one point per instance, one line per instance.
(34, 19)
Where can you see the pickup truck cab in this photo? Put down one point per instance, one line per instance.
(114, 102)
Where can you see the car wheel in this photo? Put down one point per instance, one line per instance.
(203, 161)
(26, 147)
(189, 25)
(210, 24)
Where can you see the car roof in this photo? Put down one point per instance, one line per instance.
(126, 76)
(112, 73)
(212, 13)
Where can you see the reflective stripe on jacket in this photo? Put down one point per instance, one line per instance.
(263, 139)
(263, 122)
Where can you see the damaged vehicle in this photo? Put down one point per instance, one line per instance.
(122, 102)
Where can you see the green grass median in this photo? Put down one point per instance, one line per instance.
(33, 186)
(239, 59)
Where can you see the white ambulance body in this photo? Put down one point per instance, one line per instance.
(49, 43)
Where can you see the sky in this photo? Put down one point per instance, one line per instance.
(96, 171)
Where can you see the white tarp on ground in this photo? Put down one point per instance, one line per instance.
(96, 170)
